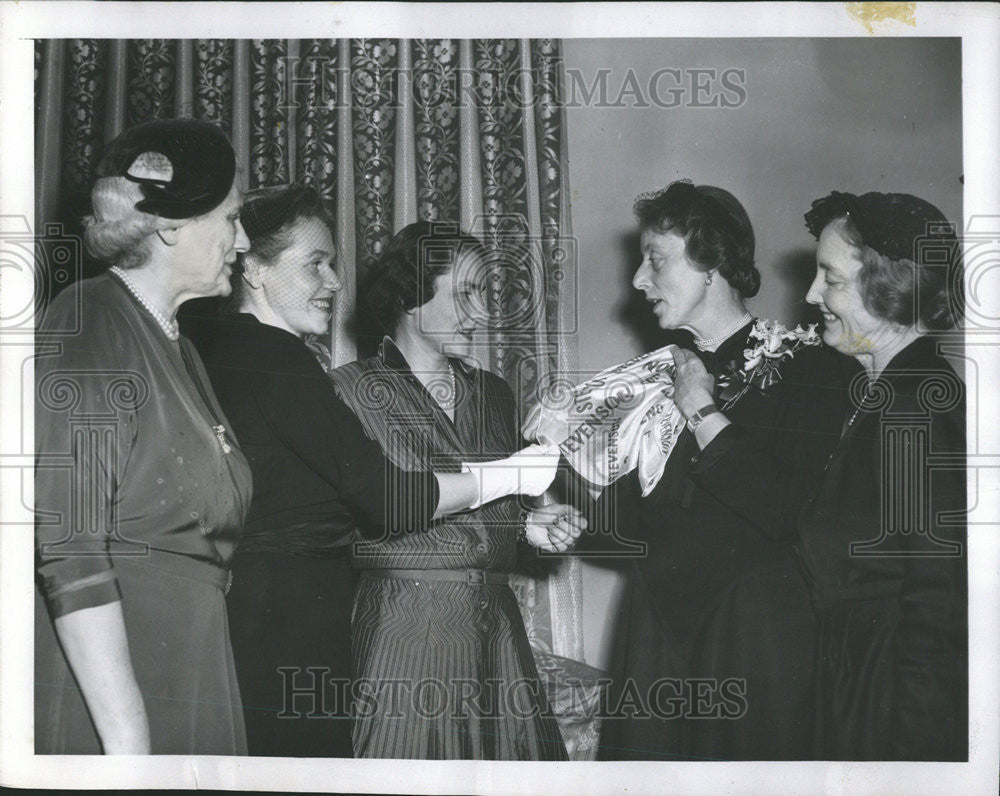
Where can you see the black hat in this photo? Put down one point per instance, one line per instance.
(187, 171)
(266, 210)
(893, 224)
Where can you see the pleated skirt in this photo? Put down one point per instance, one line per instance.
(443, 671)
(178, 637)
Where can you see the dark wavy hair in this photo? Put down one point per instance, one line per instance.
(404, 276)
(269, 217)
(716, 229)
(925, 288)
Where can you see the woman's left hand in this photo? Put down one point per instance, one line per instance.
(694, 386)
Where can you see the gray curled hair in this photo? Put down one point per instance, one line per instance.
(116, 232)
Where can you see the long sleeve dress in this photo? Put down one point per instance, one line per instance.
(140, 496)
(443, 663)
(714, 646)
(316, 476)
(884, 545)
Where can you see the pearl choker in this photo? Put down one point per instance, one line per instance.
(170, 328)
(710, 343)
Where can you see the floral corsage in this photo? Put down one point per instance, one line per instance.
(771, 343)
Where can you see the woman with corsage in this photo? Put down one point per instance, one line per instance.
(714, 653)
(884, 539)
(317, 477)
(440, 652)
(140, 488)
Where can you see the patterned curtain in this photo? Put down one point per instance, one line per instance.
(391, 132)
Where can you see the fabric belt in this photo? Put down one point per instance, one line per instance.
(470, 576)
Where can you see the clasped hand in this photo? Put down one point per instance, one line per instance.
(555, 527)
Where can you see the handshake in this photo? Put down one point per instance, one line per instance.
(530, 471)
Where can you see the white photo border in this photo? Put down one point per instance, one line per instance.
(978, 25)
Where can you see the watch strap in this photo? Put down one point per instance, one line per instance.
(698, 417)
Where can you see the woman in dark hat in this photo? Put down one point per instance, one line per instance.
(884, 539)
(317, 476)
(140, 488)
(713, 657)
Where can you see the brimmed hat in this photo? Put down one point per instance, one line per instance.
(893, 224)
(184, 167)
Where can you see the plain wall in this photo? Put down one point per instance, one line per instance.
(813, 115)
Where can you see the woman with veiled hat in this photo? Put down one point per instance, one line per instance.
(320, 483)
(883, 541)
(140, 488)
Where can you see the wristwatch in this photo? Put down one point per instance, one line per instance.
(698, 417)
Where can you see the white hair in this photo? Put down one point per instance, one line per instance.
(116, 232)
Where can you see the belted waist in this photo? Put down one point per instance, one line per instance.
(470, 576)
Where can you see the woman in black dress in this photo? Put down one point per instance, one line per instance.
(884, 540)
(715, 637)
(316, 476)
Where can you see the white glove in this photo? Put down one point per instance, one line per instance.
(530, 471)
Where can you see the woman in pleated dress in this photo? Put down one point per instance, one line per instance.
(440, 653)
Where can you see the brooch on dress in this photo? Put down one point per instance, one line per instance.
(774, 343)
(220, 434)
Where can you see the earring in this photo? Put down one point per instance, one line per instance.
(250, 272)
(709, 276)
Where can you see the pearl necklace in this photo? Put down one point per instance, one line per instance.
(849, 423)
(862, 404)
(170, 328)
(708, 343)
(450, 402)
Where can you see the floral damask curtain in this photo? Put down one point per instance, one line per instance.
(390, 131)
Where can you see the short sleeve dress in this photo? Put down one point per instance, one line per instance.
(140, 496)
